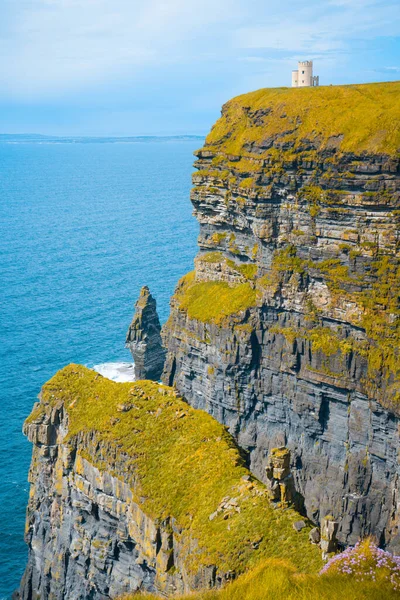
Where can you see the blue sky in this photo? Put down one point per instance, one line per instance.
(124, 67)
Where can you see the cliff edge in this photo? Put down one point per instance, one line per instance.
(288, 329)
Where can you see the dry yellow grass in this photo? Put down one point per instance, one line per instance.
(278, 580)
(367, 116)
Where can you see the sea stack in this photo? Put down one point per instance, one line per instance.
(144, 338)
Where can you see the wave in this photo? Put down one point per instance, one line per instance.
(116, 371)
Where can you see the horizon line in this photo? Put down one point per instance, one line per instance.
(104, 136)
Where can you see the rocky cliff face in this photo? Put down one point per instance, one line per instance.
(133, 490)
(288, 331)
(87, 536)
(144, 338)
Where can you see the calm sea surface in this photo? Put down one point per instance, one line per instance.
(83, 227)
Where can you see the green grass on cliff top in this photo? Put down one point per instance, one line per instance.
(367, 116)
(184, 463)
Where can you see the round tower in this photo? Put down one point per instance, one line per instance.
(305, 73)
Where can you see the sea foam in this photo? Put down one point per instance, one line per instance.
(116, 371)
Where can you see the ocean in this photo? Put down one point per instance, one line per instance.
(83, 226)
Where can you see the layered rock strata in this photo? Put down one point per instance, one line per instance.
(144, 338)
(133, 490)
(288, 330)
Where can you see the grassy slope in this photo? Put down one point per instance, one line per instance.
(186, 463)
(277, 580)
(368, 117)
(213, 301)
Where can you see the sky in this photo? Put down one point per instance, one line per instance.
(165, 67)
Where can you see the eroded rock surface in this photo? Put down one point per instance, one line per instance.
(144, 338)
(88, 538)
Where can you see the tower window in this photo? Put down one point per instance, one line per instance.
(302, 72)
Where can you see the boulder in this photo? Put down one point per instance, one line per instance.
(299, 525)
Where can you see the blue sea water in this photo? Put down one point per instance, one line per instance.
(83, 227)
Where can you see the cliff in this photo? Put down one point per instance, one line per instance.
(132, 489)
(287, 333)
(288, 329)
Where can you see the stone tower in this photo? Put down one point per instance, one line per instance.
(303, 76)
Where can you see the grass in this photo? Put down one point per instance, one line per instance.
(180, 463)
(367, 116)
(212, 257)
(213, 301)
(248, 270)
(278, 580)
